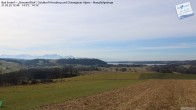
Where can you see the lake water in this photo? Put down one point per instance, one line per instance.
(132, 63)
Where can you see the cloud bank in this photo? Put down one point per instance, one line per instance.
(63, 29)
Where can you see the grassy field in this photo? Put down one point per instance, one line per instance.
(25, 97)
(31, 96)
(169, 94)
(166, 76)
(6, 67)
(108, 76)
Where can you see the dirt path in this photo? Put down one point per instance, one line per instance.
(150, 95)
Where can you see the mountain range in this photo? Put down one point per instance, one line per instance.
(26, 56)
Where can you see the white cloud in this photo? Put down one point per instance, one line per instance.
(174, 46)
(51, 25)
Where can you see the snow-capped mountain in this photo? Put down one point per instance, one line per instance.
(26, 56)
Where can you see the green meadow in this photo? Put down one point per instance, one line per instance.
(30, 96)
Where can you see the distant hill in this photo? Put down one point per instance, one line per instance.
(9, 65)
(84, 61)
(58, 62)
(28, 57)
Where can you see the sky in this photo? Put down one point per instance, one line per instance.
(128, 30)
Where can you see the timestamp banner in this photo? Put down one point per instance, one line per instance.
(38, 3)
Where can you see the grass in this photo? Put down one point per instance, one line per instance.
(26, 97)
(166, 76)
(109, 76)
(1, 102)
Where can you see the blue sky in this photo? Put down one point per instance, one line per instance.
(127, 30)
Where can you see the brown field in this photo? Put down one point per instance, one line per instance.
(150, 95)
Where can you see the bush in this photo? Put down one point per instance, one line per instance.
(46, 81)
(35, 81)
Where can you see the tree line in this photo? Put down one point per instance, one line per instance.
(174, 68)
(33, 76)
